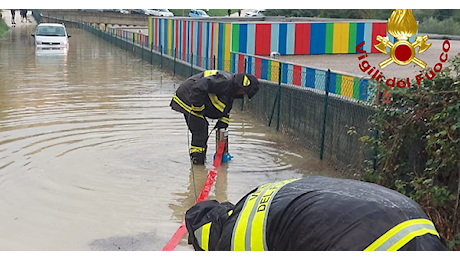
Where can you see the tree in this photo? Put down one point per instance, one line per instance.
(347, 13)
(291, 12)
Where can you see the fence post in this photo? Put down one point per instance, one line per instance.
(142, 50)
(245, 64)
(126, 42)
(191, 64)
(323, 128)
(161, 56)
(277, 96)
(133, 43)
(151, 53)
(279, 103)
(175, 54)
(214, 62)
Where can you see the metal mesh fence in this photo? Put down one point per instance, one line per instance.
(328, 125)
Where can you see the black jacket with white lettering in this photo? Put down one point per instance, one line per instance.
(321, 214)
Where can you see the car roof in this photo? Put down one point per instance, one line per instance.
(51, 24)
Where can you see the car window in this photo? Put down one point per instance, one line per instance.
(201, 12)
(50, 31)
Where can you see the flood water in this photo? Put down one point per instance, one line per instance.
(93, 158)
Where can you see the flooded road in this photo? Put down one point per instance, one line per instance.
(93, 158)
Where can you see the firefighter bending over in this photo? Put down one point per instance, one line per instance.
(210, 94)
(313, 214)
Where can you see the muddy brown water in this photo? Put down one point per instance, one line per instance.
(93, 158)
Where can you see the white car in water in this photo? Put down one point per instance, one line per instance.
(51, 36)
(254, 13)
(162, 12)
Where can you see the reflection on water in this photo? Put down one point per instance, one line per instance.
(55, 52)
(92, 156)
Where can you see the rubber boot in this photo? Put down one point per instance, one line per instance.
(198, 158)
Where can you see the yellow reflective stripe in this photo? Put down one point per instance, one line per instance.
(185, 106)
(196, 149)
(208, 73)
(419, 227)
(216, 102)
(239, 231)
(202, 236)
(225, 120)
(249, 230)
(206, 232)
(258, 242)
(246, 81)
(411, 236)
(230, 212)
(198, 109)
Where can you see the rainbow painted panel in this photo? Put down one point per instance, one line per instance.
(198, 40)
(268, 69)
(305, 38)
(210, 45)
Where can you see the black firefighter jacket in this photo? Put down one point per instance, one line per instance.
(209, 93)
(313, 214)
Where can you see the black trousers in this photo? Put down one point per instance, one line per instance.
(199, 128)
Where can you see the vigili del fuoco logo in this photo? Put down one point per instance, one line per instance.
(402, 25)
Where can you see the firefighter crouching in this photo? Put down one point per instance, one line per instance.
(313, 214)
(210, 94)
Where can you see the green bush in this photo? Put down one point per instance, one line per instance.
(418, 148)
(432, 25)
(3, 26)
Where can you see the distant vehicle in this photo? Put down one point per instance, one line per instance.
(161, 12)
(121, 11)
(274, 55)
(91, 10)
(197, 13)
(51, 36)
(254, 13)
(142, 11)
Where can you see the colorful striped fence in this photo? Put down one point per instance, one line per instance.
(295, 75)
(189, 39)
(203, 40)
(206, 39)
(305, 38)
(262, 67)
(138, 38)
(225, 46)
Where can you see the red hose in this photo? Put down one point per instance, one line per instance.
(180, 232)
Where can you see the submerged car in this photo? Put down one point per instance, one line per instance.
(254, 13)
(121, 11)
(197, 13)
(161, 12)
(51, 36)
(142, 11)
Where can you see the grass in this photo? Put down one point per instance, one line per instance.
(3, 26)
(211, 12)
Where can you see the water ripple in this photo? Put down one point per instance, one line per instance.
(90, 151)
